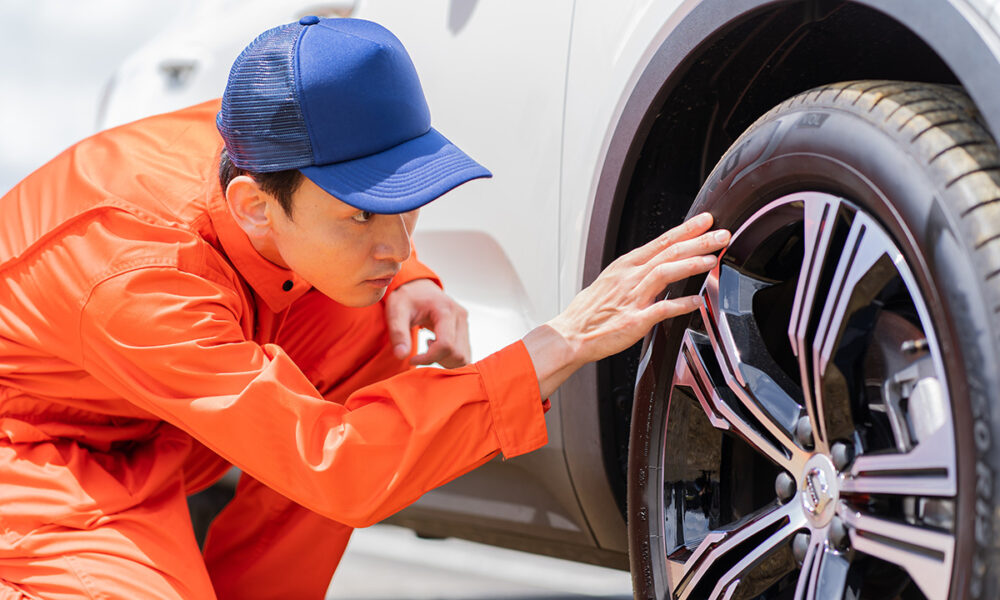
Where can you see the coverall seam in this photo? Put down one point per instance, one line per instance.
(150, 219)
(87, 215)
(228, 276)
(508, 447)
(128, 268)
(9, 587)
(497, 420)
(54, 238)
(121, 268)
(137, 212)
(83, 577)
(169, 262)
(44, 241)
(85, 300)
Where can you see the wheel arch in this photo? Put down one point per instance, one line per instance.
(724, 64)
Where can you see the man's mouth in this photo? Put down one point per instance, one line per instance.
(381, 281)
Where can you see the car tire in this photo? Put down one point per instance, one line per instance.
(826, 425)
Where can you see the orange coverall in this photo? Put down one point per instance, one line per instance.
(145, 346)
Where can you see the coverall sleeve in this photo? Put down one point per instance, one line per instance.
(171, 342)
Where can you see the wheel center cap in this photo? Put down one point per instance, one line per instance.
(819, 490)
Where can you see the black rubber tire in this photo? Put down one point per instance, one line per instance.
(917, 158)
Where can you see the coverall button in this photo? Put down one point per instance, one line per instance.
(287, 286)
(309, 20)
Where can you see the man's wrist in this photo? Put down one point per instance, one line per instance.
(553, 356)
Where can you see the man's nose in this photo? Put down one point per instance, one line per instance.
(394, 239)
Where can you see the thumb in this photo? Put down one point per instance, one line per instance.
(398, 316)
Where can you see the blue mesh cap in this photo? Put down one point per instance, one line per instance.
(339, 100)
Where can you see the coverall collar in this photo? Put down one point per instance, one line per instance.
(277, 286)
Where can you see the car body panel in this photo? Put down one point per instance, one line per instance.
(966, 35)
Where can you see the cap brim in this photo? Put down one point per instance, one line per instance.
(399, 179)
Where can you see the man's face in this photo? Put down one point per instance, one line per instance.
(347, 254)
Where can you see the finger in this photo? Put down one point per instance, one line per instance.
(398, 317)
(459, 353)
(689, 229)
(670, 308)
(464, 346)
(444, 327)
(436, 353)
(705, 243)
(666, 273)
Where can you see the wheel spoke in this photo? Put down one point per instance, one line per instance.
(866, 265)
(824, 571)
(925, 554)
(866, 244)
(762, 428)
(742, 342)
(737, 551)
(730, 590)
(927, 470)
(691, 371)
(819, 219)
(701, 365)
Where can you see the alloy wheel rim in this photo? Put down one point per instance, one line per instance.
(848, 405)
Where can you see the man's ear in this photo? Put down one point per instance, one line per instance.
(249, 206)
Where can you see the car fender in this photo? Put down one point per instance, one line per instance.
(651, 61)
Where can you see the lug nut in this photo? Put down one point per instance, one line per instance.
(800, 545)
(838, 534)
(784, 485)
(804, 433)
(842, 455)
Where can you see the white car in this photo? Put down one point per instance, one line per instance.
(827, 426)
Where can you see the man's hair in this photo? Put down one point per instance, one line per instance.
(280, 184)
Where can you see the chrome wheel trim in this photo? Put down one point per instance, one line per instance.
(825, 522)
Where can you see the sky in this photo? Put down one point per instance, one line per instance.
(58, 57)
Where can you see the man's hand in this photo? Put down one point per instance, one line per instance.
(421, 303)
(620, 307)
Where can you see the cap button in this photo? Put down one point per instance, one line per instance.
(310, 20)
(288, 285)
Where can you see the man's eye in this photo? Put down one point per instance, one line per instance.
(363, 216)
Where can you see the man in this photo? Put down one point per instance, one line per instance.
(173, 301)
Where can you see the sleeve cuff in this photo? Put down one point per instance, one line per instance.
(517, 408)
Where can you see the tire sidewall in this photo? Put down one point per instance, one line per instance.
(841, 152)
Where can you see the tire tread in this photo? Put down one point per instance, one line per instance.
(942, 128)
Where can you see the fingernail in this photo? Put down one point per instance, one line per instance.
(709, 261)
(401, 350)
(721, 236)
